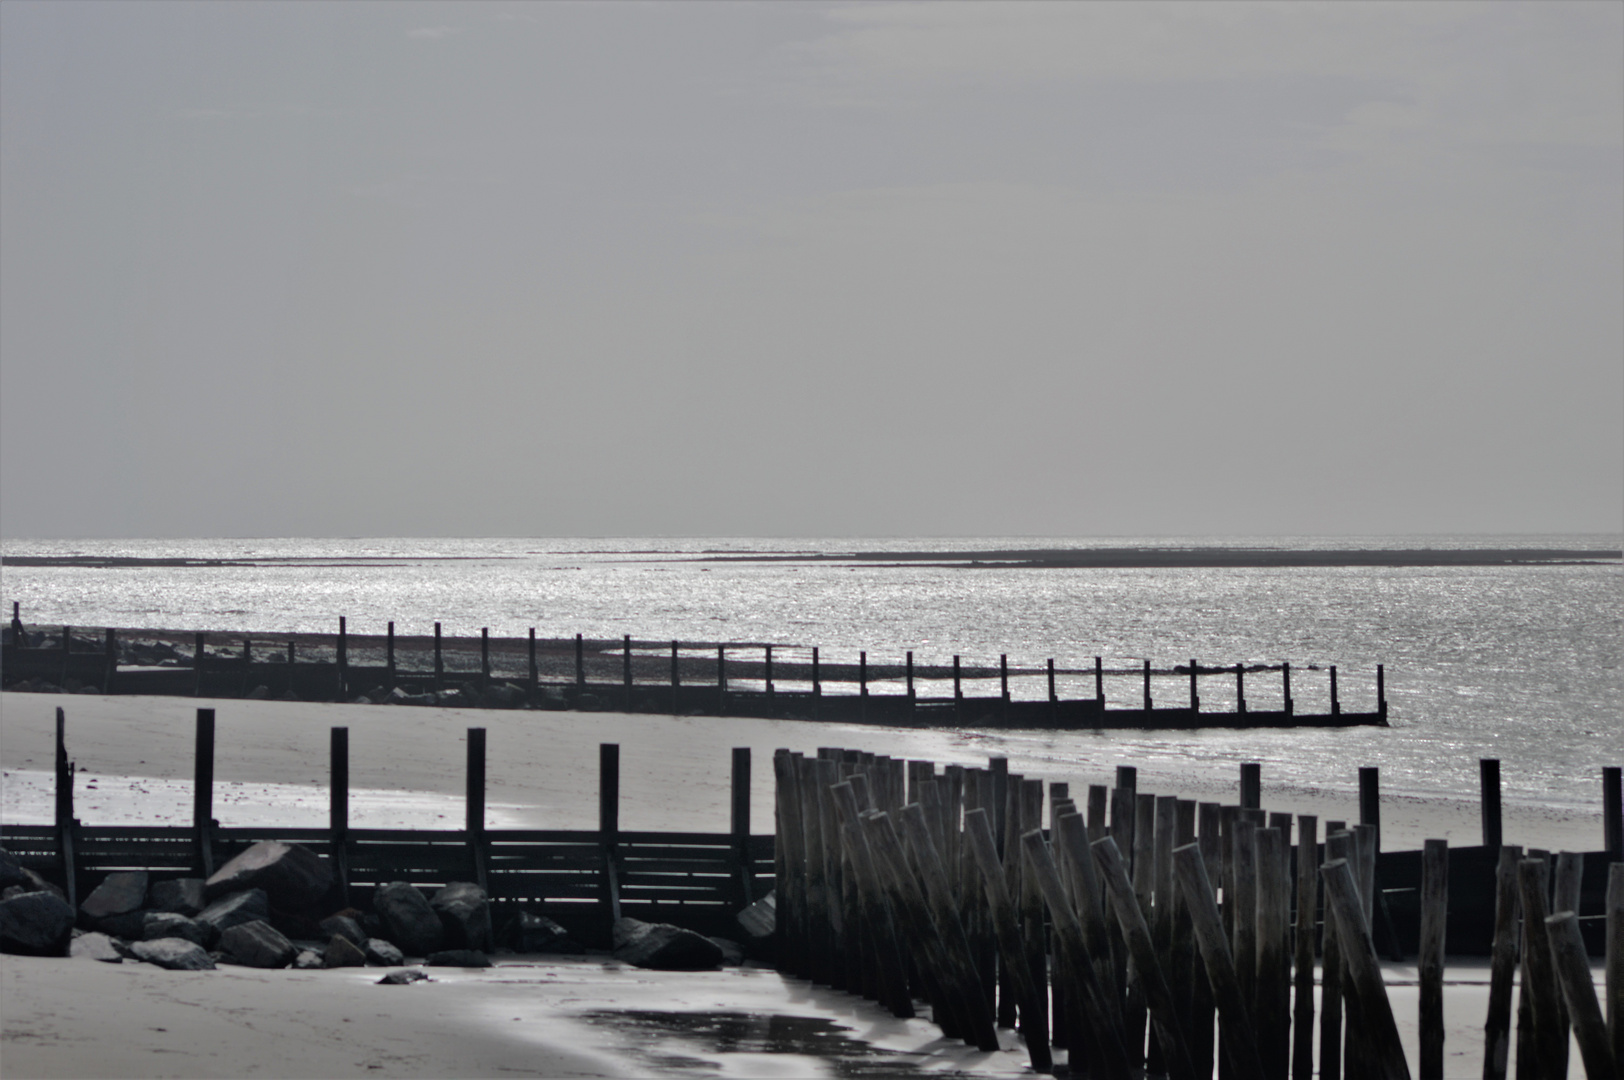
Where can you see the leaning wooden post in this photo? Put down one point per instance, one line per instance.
(741, 823)
(1378, 1029)
(1615, 959)
(203, 791)
(439, 659)
(66, 823)
(1488, 771)
(1302, 1047)
(877, 916)
(1612, 812)
(1430, 962)
(1239, 1044)
(338, 806)
(474, 804)
(1573, 972)
(1503, 964)
(1548, 1044)
(609, 824)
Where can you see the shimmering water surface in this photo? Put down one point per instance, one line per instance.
(1518, 662)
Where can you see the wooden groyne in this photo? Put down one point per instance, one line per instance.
(1135, 932)
(638, 675)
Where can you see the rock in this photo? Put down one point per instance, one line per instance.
(532, 933)
(176, 954)
(287, 695)
(162, 924)
(308, 960)
(14, 890)
(35, 923)
(94, 946)
(411, 922)
(120, 893)
(342, 952)
(761, 917)
(257, 944)
(404, 978)
(12, 872)
(465, 913)
(183, 896)
(381, 953)
(464, 958)
(664, 947)
(732, 951)
(293, 876)
(236, 909)
(503, 696)
(345, 927)
(259, 693)
(131, 926)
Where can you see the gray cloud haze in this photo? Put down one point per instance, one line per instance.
(566, 269)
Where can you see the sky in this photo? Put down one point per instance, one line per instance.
(816, 269)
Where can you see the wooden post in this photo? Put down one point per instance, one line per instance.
(110, 654)
(580, 663)
(1239, 1044)
(876, 916)
(1147, 686)
(1503, 964)
(1244, 854)
(609, 823)
(1430, 961)
(789, 863)
(741, 823)
(1240, 688)
(1336, 705)
(1381, 692)
(1573, 972)
(1251, 785)
(910, 683)
(626, 667)
(197, 661)
(1195, 698)
(535, 671)
(484, 657)
(817, 685)
(343, 659)
(1370, 805)
(1488, 771)
(768, 649)
(1035, 1028)
(1549, 1044)
(1302, 1047)
(66, 823)
(1612, 812)
(474, 804)
(1379, 1032)
(203, 791)
(1285, 681)
(1273, 894)
(389, 653)
(721, 679)
(1615, 959)
(958, 691)
(1003, 677)
(1099, 680)
(439, 660)
(338, 806)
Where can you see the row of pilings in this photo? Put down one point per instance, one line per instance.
(1151, 935)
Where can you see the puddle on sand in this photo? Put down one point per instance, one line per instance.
(659, 1039)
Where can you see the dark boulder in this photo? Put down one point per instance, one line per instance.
(529, 932)
(410, 921)
(236, 909)
(183, 896)
(176, 954)
(464, 958)
(732, 951)
(162, 924)
(345, 927)
(94, 946)
(257, 944)
(35, 924)
(294, 877)
(131, 926)
(664, 947)
(120, 893)
(12, 872)
(404, 978)
(381, 953)
(465, 913)
(342, 952)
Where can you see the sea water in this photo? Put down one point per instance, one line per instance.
(1519, 663)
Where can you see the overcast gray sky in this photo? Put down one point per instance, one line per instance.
(810, 269)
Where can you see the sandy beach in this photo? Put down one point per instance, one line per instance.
(532, 1015)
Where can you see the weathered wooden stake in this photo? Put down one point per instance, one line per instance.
(1336, 705)
(1147, 686)
(535, 670)
(1285, 682)
(1488, 771)
(1099, 680)
(1548, 1045)
(1239, 1040)
(1370, 805)
(1273, 894)
(474, 804)
(1612, 811)
(203, 791)
(439, 659)
(877, 917)
(338, 808)
(484, 657)
(1573, 972)
(1240, 688)
(740, 821)
(626, 667)
(1503, 962)
(767, 650)
(1251, 785)
(910, 681)
(1378, 1030)
(580, 661)
(389, 652)
(197, 661)
(343, 659)
(1430, 961)
(1302, 1046)
(67, 825)
(1615, 959)
(1006, 927)
(609, 823)
(1195, 698)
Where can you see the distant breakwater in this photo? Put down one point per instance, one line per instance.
(696, 678)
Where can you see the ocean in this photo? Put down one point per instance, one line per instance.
(1518, 662)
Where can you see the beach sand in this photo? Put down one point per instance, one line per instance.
(542, 1016)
